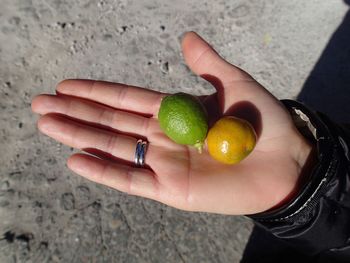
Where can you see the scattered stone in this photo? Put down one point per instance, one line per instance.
(51, 177)
(4, 185)
(43, 245)
(15, 20)
(239, 11)
(9, 236)
(83, 193)
(115, 223)
(165, 67)
(107, 36)
(4, 203)
(122, 29)
(67, 201)
(62, 25)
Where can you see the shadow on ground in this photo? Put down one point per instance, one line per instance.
(327, 90)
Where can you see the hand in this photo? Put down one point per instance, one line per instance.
(107, 119)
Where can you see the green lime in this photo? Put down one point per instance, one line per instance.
(183, 119)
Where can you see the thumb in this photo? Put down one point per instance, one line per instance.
(203, 60)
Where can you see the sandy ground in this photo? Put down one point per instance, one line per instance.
(47, 214)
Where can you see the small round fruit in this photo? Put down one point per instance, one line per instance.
(183, 119)
(230, 140)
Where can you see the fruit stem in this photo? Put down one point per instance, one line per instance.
(199, 146)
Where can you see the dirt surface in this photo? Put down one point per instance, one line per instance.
(48, 214)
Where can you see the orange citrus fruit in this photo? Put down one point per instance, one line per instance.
(230, 140)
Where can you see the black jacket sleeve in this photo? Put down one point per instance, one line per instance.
(317, 220)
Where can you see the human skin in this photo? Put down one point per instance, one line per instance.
(110, 117)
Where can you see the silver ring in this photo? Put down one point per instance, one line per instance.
(140, 152)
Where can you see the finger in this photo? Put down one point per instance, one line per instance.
(82, 136)
(135, 181)
(205, 61)
(93, 112)
(232, 83)
(115, 95)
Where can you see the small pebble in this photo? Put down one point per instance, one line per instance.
(68, 201)
(165, 67)
(5, 185)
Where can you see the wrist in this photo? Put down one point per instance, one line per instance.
(305, 157)
(313, 150)
(306, 160)
(303, 151)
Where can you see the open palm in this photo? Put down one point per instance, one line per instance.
(107, 119)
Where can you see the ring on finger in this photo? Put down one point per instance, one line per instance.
(140, 152)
